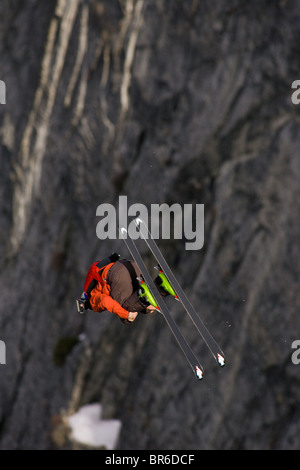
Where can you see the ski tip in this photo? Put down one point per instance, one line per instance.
(123, 230)
(199, 372)
(138, 221)
(221, 360)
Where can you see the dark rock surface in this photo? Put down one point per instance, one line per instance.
(176, 102)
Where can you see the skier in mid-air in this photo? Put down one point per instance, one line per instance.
(113, 284)
(119, 286)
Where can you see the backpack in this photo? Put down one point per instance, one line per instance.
(92, 279)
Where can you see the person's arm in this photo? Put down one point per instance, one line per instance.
(100, 302)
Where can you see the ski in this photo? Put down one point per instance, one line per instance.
(180, 294)
(163, 309)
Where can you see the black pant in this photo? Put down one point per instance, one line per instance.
(124, 286)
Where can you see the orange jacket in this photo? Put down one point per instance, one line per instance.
(100, 298)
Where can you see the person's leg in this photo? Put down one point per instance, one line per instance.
(122, 278)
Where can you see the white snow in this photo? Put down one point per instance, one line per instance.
(88, 428)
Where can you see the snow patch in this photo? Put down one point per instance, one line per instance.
(88, 428)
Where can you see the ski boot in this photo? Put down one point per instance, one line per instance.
(163, 284)
(145, 294)
(83, 303)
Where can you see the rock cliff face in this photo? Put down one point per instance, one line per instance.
(180, 102)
